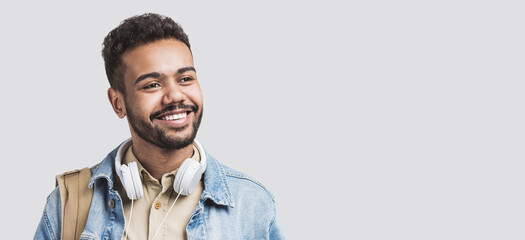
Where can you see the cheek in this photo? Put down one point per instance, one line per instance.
(195, 95)
(144, 105)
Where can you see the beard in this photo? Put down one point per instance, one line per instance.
(157, 135)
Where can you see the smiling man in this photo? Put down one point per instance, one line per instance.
(160, 183)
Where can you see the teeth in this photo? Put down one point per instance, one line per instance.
(175, 116)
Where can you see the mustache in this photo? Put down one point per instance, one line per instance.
(173, 107)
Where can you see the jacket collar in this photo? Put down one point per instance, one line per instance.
(216, 187)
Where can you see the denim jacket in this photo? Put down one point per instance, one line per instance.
(232, 206)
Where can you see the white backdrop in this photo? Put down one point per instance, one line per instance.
(367, 120)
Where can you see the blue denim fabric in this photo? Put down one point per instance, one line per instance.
(232, 206)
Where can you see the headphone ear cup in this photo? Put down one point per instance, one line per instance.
(187, 177)
(127, 181)
(137, 183)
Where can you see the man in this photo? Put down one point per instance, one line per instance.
(154, 84)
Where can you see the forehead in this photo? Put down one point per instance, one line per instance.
(164, 56)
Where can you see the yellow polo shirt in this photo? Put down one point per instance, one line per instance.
(149, 210)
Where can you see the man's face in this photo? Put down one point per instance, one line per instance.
(163, 99)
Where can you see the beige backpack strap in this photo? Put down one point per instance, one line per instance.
(75, 196)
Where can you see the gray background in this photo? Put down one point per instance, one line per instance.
(366, 119)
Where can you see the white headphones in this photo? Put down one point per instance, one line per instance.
(186, 179)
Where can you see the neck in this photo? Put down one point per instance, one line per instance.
(158, 161)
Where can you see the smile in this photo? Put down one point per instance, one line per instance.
(174, 116)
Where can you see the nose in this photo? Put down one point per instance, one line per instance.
(173, 94)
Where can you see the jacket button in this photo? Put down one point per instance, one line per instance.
(157, 205)
(111, 203)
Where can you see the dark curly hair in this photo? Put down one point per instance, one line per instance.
(132, 33)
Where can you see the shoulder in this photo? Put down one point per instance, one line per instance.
(244, 178)
(252, 209)
(225, 182)
(50, 222)
(246, 188)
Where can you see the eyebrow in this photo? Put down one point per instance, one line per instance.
(147, 75)
(158, 75)
(185, 69)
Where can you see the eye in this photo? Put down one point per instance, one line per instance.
(185, 79)
(151, 85)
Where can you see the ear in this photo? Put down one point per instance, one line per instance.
(116, 98)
